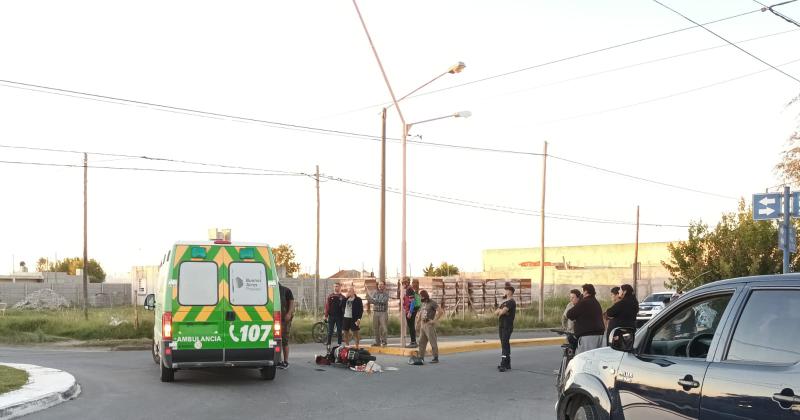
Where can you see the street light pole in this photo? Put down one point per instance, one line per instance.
(406, 128)
(382, 262)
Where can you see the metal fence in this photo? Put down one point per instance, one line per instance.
(101, 295)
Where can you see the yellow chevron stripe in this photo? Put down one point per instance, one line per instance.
(263, 313)
(241, 314)
(222, 258)
(174, 292)
(179, 251)
(205, 313)
(181, 314)
(265, 255)
(269, 293)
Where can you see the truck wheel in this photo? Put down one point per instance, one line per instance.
(156, 357)
(268, 373)
(167, 374)
(585, 411)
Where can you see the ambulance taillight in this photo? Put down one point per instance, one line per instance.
(166, 326)
(277, 326)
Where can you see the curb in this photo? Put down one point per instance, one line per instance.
(467, 346)
(130, 348)
(46, 387)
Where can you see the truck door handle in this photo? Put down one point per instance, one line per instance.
(786, 398)
(688, 383)
(230, 316)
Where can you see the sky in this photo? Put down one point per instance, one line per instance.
(685, 109)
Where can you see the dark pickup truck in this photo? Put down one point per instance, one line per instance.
(726, 350)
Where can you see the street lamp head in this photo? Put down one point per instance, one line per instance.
(463, 114)
(457, 68)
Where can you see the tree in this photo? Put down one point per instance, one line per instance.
(42, 264)
(284, 257)
(789, 166)
(442, 270)
(738, 246)
(70, 266)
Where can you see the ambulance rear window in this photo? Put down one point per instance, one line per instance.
(197, 283)
(248, 284)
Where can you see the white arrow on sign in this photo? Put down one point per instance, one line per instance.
(765, 202)
(767, 211)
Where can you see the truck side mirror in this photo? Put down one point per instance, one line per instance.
(622, 339)
(150, 302)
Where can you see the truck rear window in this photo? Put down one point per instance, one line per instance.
(248, 284)
(197, 283)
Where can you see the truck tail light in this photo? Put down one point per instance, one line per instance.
(166, 326)
(277, 324)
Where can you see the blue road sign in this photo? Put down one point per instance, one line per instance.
(792, 239)
(767, 206)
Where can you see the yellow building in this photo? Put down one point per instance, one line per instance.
(570, 266)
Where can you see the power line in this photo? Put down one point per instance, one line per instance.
(777, 13)
(638, 178)
(289, 172)
(499, 208)
(234, 118)
(729, 42)
(431, 197)
(556, 61)
(642, 63)
(151, 158)
(661, 98)
(128, 168)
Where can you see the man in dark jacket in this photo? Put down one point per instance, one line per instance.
(623, 312)
(333, 313)
(588, 317)
(352, 310)
(506, 314)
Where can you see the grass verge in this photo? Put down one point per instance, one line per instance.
(11, 379)
(109, 327)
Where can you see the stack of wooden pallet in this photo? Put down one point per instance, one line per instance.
(524, 295)
(475, 291)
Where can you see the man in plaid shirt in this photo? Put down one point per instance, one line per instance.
(380, 314)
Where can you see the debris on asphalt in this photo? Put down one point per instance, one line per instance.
(42, 299)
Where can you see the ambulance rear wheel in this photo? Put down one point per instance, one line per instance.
(167, 374)
(156, 357)
(268, 373)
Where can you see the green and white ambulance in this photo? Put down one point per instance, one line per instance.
(216, 305)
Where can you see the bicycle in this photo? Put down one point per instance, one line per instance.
(319, 332)
(568, 354)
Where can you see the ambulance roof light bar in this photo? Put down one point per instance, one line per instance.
(219, 236)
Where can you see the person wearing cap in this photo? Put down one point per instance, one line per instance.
(506, 313)
(429, 315)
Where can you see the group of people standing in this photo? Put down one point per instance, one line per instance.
(590, 326)
(344, 309)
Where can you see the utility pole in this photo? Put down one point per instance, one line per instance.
(382, 263)
(316, 273)
(636, 257)
(787, 230)
(85, 249)
(541, 243)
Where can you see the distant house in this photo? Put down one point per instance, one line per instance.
(352, 274)
(22, 278)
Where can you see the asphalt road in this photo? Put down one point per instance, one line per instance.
(125, 385)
